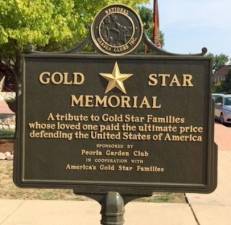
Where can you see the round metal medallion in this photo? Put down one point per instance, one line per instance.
(117, 30)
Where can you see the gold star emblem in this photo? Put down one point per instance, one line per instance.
(115, 79)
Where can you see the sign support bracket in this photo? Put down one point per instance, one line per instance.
(112, 205)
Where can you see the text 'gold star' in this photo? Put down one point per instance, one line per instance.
(115, 79)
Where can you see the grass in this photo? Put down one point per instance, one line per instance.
(165, 197)
(9, 191)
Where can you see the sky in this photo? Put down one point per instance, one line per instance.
(190, 25)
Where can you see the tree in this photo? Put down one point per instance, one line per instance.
(47, 24)
(218, 60)
(146, 15)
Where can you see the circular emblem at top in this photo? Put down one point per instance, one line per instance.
(117, 30)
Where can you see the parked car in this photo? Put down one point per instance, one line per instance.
(216, 95)
(222, 108)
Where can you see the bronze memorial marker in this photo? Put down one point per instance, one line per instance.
(114, 125)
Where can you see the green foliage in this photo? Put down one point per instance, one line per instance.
(47, 24)
(218, 60)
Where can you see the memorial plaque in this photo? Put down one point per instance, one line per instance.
(130, 122)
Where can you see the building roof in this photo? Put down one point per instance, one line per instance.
(223, 71)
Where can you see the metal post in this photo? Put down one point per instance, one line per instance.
(112, 209)
(112, 202)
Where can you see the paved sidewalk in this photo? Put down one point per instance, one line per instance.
(15, 212)
(215, 208)
(223, 136)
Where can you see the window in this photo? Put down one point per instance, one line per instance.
(228, 101)
(219, 100)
